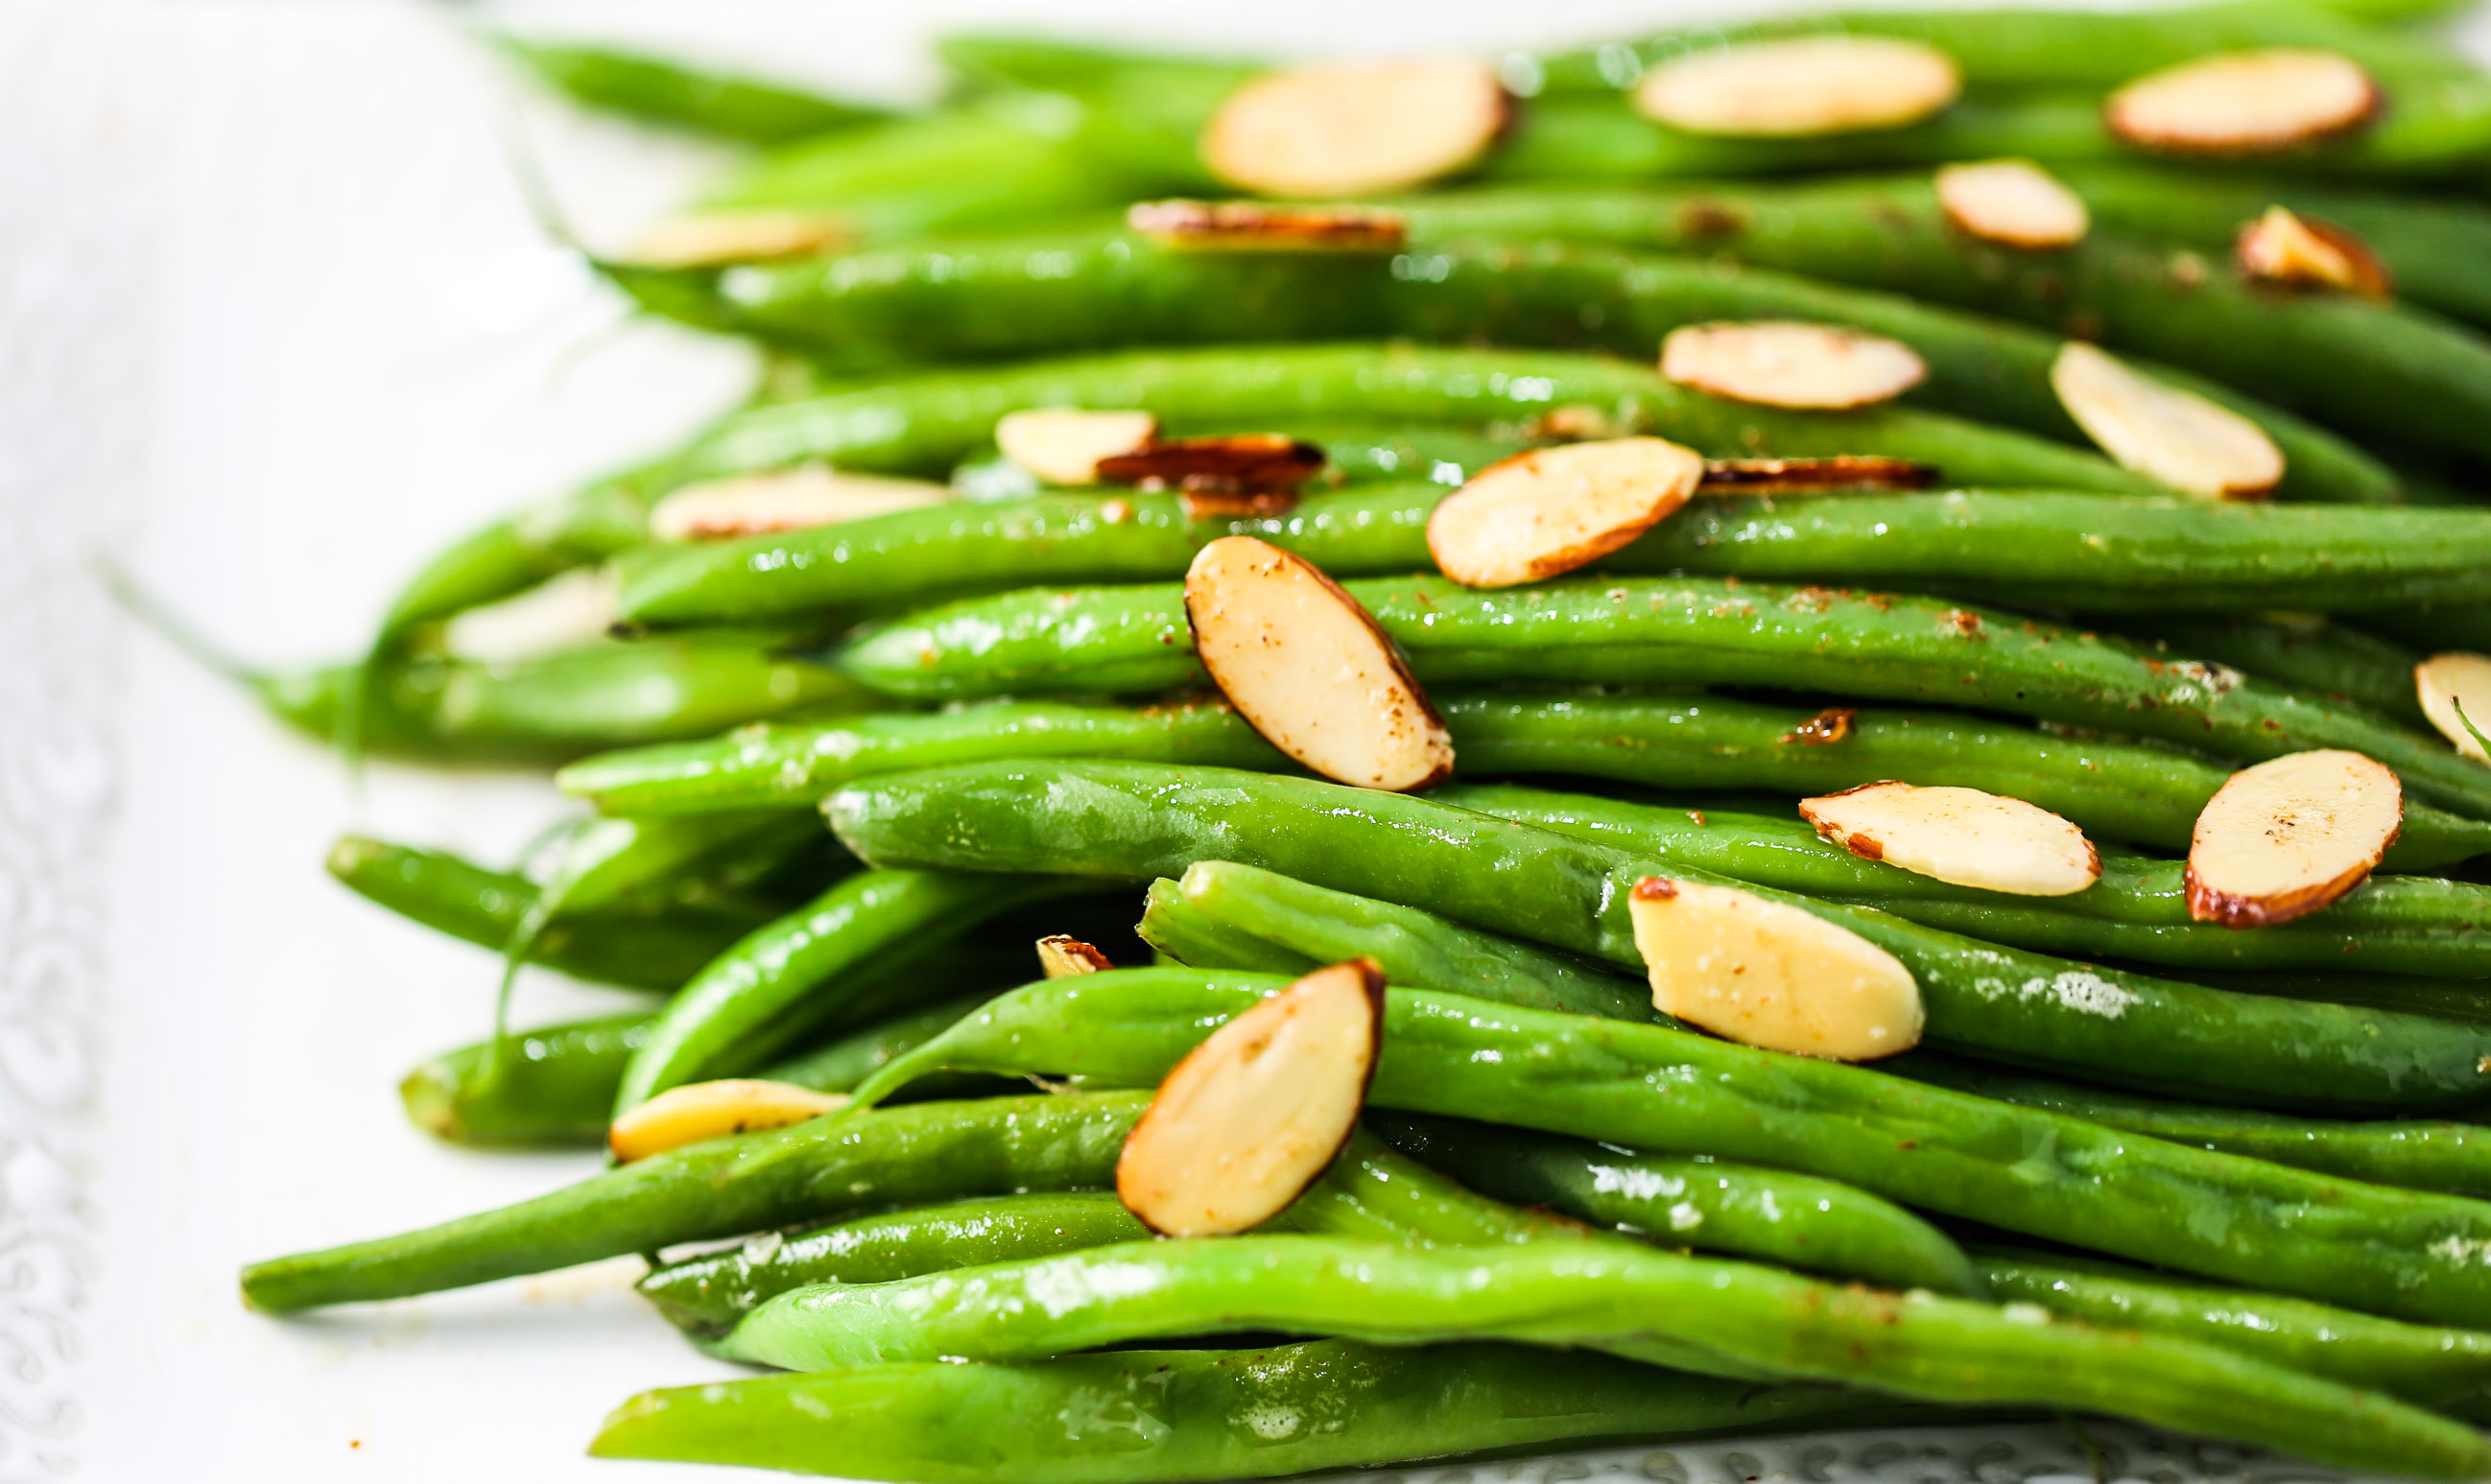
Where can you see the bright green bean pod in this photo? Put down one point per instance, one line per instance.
(1604, 1297)
(660, 90)
(840, 1064)
(2399, 1252)
(2339, 662)
(2447, 998)
(1131, 822)
(726, 1187)
(1676, 632)
(1158, 1417)
(1182, 932)
(510, 556)
(1772, 1216)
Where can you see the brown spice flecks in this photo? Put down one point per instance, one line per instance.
(1258, 226)
(1828, 727)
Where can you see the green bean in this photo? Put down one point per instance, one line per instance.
(2435, 627)
(2447, 998)
(726, 1187)
(1604, 1297)
(1157, 1417)
(2339, 662)
(2413, 1254)
(840, 1064)
(659, 91)
(1675, 632)
(2137, 910)
(1182, 932)
(1771, 1216)
(1130, 822)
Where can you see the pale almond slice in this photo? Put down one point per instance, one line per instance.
(2303, 252)
(1804, 85)
(1346, 129)
(1309, 670)
(567, 610)
(1060, 957)
(1062, 445)
(713, 1110)
(2288, 837)
(2014, 203)
(1765, 973)
(2450, 682)
(1777, 363)
(1959, 835)
(708, 238)
(1804, 476)
(1221, 464)
(795, 499)
(1257, 1111)
(1256, 226)
(2237, 102)
(2180, 438)
(1550, 510)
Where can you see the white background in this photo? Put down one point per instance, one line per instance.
(275, 323)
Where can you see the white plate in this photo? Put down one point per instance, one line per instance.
(275, 325)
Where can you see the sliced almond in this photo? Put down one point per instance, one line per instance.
(2014, 203)
(1550, 510)
(2303, 252)
(2177, 437)
(708, 238)
(1257, 1111)
(796, 499)
(2237, 102)
(565, 609)
(1790, 363)
(1309, 670)
(1765, 973)
(1346, 129)
(1960, 836)
(1226, 464)
(1804, 476)
(1806, 85)
(1062, 445)
(1236, 505)
(1255, 226)
(2288, 837)
(1060, 957)
(713, 1110)
(2454, 682)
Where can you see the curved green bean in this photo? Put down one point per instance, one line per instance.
(665, 92)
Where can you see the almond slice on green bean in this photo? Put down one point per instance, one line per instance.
(2194, 445)
(1960, 836)
(2447, 685)
(1222, 463)
(1802, 476)
(1309, 670)
(1256, 1113)
(1551, 510)
(1355, 128)
(713, 1110)
(1064, 445)
(2305, 252)
(569, 608)
(1765, 973)
(1256, 226)
(2014, 203)
(796, 499)
(708, 238)
(2237, 102)
(2290, 835)
(1061, 957)
(1806, 85)
(1776, 362)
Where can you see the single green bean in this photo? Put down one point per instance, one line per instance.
(1182, 932)
(665, 92)
(2339, 662)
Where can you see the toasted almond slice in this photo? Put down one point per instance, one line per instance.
(1225, 464)
(2288, 837)
(796, 499)
(1765, 973)
(713, 1110)
(2014, 203)
(1802, 476)
(2177, 437)
(1960, 836)
(1779, 363)
(1550, 510)
(2450, 682)
(1255, 226)
(2305, 252)
(708, 239)
(1804, 85)
(1234, 505)
(567, 608)
(1345, 128)
(2244, 102)
(1062, 445)
(1252, 1116)
(1309, 669)
(1824, 729)
(1060, 957)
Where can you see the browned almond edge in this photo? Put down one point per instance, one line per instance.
(2128, 133)
(1223, 463)
(1824, 729)
(1427, 712)
(1860, 845)
(1853, 471)
(1656, 889)
(1257, 225)
(2225, 909)
(2372, 278)
(1556, 564)
(1061, 956)
(1370, 978)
